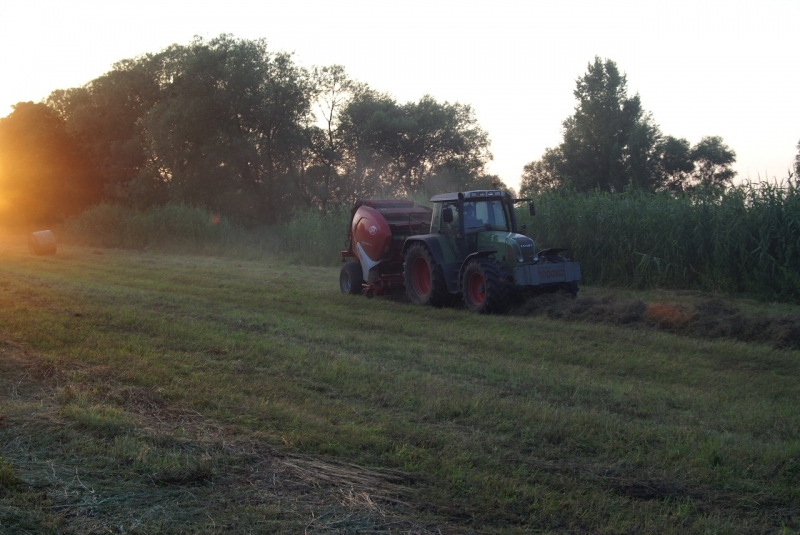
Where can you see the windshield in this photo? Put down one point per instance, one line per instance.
(487, 215)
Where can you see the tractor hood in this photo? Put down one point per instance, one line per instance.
(515, 249)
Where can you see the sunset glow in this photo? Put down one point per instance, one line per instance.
(725, 69)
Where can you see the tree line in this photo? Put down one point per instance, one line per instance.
(230, 126)
(611, 143)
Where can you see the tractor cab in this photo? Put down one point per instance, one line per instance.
(481, 223)
(477, 215)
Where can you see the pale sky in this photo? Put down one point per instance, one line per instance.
(726, 68)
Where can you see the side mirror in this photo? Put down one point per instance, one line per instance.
(531, 208)
(447, 215)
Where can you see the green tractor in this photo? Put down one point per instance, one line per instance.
(473, 250)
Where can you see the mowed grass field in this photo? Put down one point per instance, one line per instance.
(143, 392)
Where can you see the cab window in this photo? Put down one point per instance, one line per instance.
(435, 219)
(452, 227)
(486, 215)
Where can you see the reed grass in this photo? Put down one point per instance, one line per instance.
(743, 240)
(313, 237)
(310, 237)
(175, 225)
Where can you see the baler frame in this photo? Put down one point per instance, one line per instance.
(404, 219)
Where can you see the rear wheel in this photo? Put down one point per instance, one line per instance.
(484, 287)
(423, 277)
(351, 279)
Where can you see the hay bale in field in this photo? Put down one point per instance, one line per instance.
(42, 242)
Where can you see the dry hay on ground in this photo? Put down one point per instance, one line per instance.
(708, 318)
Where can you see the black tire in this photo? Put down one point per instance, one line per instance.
(351, 279)
(423, 277)
(484, 287)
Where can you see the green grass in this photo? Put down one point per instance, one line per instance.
(192, 394)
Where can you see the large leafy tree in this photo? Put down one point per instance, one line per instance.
(611, 143)
(229, 125)
(597, 137)
(675, 165)
(391, 148)
(44, 173)
(712, 163)
(325, 176)
(540, 175)
(216, 123)
(643, 156)
(105, 117)
(438, 137)
(311, 138)
(228, 132)
(367, 124)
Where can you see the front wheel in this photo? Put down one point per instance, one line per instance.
(351, 279)
(484, 287)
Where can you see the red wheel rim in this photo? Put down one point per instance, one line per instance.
(421, 276)
(476, 289)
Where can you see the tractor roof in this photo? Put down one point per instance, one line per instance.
(477, 195)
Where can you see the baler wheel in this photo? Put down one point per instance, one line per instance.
(423, 277)
(484, 288)
(351, 279)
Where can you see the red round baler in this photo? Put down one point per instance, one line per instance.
(375, 239)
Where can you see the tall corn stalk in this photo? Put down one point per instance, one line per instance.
(746, 239)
